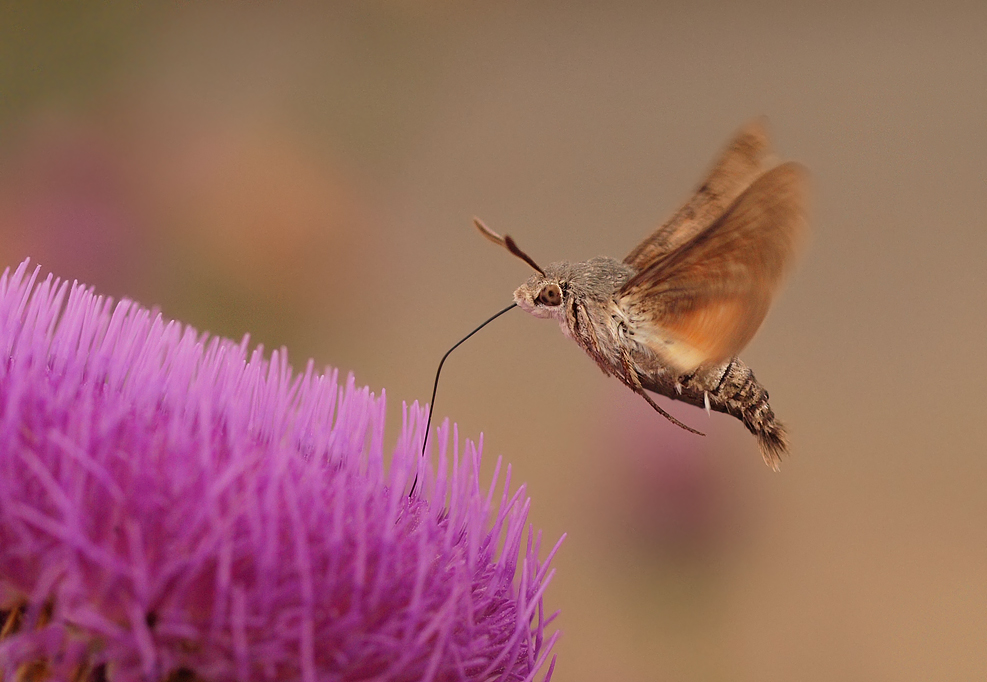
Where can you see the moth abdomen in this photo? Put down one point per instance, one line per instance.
(733, 389)
(745, 398)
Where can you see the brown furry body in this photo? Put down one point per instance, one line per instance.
(592, 316)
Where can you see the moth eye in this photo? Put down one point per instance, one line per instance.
(550, 295)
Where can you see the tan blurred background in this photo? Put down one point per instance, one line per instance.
(309, 175)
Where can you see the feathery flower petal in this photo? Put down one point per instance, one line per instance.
(176, 506)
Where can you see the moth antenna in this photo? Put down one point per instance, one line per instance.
(435, 386)
(507, 243)
(513, 248)
(487, 232)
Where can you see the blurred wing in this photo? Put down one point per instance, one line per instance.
(703, 301)
(741, 163)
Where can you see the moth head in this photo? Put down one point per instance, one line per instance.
(542, 295)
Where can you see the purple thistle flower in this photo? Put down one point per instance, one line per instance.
(174, 506)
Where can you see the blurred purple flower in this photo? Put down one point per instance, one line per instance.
(173, 506)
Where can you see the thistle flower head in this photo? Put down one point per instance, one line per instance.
(175, 506)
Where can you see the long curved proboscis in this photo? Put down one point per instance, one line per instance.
(506, 242)
(435, 386)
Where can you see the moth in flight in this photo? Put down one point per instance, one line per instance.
(672, 316)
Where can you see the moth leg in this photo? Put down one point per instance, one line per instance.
(635, 384)
(683, 380)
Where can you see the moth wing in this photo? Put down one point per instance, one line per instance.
(738, 166)
(704, 301)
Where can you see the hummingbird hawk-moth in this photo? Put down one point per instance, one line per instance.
(672, 316)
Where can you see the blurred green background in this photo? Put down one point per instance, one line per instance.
(308, 174)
